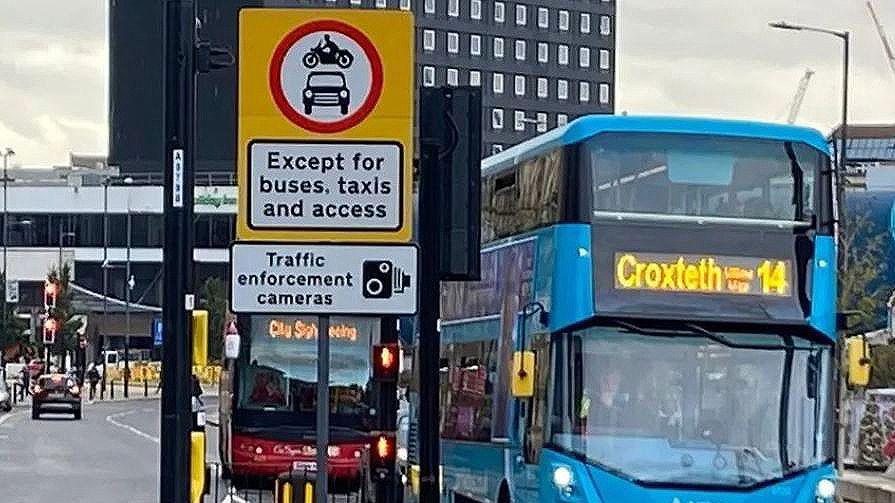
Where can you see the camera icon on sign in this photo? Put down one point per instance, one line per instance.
(381, 279)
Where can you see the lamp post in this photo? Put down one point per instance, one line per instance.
(845, 36)
(62, 236)
(7, 153)
(129, 285)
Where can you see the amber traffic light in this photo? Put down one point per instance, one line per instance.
(385, 362)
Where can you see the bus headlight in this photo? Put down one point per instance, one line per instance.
(826, 490)
(562, 478)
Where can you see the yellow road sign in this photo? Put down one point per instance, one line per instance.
(326, 106)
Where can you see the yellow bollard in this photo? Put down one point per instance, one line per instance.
(197, 466)
(309, 492)
(287, 493)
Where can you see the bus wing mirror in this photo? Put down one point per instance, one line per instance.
(523, 374)
(858, 353)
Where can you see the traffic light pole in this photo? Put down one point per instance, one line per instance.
(179, 124)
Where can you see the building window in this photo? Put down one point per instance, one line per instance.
(496, 118)
(429, 6)
(475, 9)
(562, 119)
(584, 24)
(605, 62)
(475, 78)
(584, 57)
(475, 45)
(453, 77)
(520, 50)
(562, 89)
(429, 76)
(562, 54)
(496, 148)
(453, 8)
(499, 11)
(542, 122)
(563, 20)
(543, 54)
(583, 92)
(521, 14)
(604, 94)
(355, 2)
(497, 83)
(498, 47)
(605, 25)
(381, 4)
(404, 4)
(519, 86)
(543, 17)
(519, 120)
(429, 40)
(453, 42)
(542, 87)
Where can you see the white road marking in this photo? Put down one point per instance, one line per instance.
(112, 419)
(8, 416)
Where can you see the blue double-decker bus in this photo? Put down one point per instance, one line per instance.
(655, 320)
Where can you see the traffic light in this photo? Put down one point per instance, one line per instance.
(51, 292)
(50, 328)
(385, 362)
(200, 337)
(382, 457)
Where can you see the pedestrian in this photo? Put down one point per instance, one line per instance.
(93, 378)
(23, 383)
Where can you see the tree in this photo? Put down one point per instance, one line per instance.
(13, 338)
(863, 248)
(64, 312)
(213, 298)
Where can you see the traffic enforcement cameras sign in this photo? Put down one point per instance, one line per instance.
(270, 278)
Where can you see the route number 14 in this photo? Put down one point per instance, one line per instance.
(772, 276)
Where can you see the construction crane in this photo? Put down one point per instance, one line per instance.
(799, 97)
(890, 55)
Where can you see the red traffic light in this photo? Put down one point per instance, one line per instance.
(50, 327)
(385, 362)
(51, 291)
(383, 455)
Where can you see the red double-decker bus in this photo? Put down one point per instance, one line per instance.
(268, 399)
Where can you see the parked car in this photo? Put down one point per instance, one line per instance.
(5, 397)
(56, 393)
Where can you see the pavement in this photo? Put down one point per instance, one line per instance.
(857, 486)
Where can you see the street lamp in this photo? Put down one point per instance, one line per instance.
(6, 153)
(843, 131)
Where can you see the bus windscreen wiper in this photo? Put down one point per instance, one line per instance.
(693, 328)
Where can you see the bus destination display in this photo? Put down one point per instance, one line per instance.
(715, 274)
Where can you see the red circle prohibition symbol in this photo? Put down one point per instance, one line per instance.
(276, 82)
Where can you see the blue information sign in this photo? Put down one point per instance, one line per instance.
(157, 332)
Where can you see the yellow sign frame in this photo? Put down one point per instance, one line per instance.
(390, 119)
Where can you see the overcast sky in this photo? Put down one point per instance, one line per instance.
(693, 57)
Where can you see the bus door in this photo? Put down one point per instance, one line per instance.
(531, 425)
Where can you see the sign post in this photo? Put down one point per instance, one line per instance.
(324, 164)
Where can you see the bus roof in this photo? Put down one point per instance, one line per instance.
(588, 126)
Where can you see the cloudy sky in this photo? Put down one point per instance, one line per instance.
(697, 57)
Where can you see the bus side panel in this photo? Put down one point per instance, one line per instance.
(823, 286)
(573, 290)
(472, 469)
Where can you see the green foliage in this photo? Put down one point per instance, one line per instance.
(213, 298)
(882, 367)
(14, 331)
(863, 250)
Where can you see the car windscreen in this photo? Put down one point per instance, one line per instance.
(326, 80)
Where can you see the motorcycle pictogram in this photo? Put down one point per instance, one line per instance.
(327, 53)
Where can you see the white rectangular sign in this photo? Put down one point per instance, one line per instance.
(177, 167)
(276, 277)
(12, 290)
(295, 185)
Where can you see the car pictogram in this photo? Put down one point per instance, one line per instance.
(326, 89)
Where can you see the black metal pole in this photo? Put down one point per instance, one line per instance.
(322, 408)
(179, 97)
(843, 131)
(103, 342)
(429, 312)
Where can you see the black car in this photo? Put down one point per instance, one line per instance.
(326, 89)
(56, 393)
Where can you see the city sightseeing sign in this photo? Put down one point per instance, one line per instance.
(714, 274)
